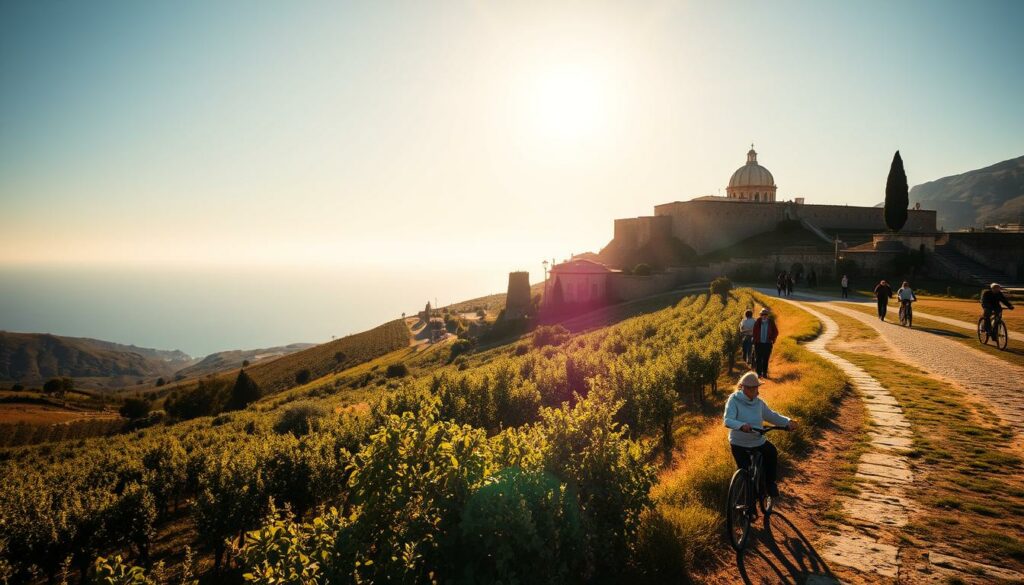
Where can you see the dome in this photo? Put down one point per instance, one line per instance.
(752, 174)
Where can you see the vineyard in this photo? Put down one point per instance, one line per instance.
(530, 462)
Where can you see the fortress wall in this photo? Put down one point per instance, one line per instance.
(637, 231)
(627, 287)
(1001, 251)
(709, 224)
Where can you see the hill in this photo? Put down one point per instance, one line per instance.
(32, 358)
(228, 360)
(994, 194)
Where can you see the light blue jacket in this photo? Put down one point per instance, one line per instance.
(739, 410)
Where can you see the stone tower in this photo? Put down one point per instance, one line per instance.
(517, 301)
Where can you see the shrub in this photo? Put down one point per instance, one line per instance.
(721, 286)
(160, 382)
(642, 269)
(134, 408)
(17, 388)
(458, 348)
(302, 376)
(550, 335)
(244, 392)
(299, 419)
(397, 370)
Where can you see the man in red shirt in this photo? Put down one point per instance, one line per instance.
(765, 334)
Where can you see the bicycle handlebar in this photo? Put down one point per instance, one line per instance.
(766, 430)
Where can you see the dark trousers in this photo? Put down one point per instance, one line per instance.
(748, 346)
(769, 455)
(987, 314)
(762, 351)
(846, 292)
(883, 306)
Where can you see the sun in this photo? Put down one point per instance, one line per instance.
(568, 102)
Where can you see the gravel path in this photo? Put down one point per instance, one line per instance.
(869, 540)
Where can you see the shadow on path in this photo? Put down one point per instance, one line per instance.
(781, 554)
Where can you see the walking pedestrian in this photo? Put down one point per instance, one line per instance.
(780, 282)
(845, 283)
(883, 292)
(812, 280)
(765, 333)
(789, 285)
(747, 331)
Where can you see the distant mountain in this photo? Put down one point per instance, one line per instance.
(990, 195)
(227, 360)
(32, 358)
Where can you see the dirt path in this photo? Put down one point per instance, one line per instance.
(868, 541)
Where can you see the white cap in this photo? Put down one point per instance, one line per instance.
(995, 285)
(764, 311)
(749, 379)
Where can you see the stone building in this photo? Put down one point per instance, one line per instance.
(578, 281)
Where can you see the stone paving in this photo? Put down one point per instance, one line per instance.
(868, 541)
(979, 374)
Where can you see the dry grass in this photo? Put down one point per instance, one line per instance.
(43, 414)
(965, 311)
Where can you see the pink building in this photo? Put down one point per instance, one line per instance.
(578, 282)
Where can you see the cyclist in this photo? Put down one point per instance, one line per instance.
(906, 295)
(883, 292)
(745, 410)
(992, 301)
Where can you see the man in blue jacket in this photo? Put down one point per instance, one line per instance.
(743, 410)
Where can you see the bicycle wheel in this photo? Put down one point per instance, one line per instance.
(910, 316)
(1002, 337)
(737, 517)
(982, 334)
(764, 499)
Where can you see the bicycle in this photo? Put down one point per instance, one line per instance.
(906, 313)
(747, 493)
(1001, 337)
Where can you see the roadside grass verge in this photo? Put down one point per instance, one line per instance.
(803, 386)
(965, 311)
(968, 479)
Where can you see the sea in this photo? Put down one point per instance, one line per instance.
(204, 310)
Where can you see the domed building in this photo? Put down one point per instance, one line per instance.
(752, 182)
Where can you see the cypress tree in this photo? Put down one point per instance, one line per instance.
(897, 198)
(244, 392)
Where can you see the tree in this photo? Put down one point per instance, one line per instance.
(53, 386)
(244, 392)
(160, 382)
(897, 198)
(134, 408)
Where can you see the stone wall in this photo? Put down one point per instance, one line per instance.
(634, 232)
(628, 287)
(999, 251)
(708, 225)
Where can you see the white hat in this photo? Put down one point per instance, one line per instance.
(749, 379)
(764, 311)
(995, 285)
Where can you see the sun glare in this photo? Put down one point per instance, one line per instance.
(568, 103)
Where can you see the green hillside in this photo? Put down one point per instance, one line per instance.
(529, 462)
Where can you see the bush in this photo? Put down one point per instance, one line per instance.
(458, 348)
(550, 335)
(134, 408)
(299, 419)
(721, 286)
(160, 382)
(17, 388)
(642, 269)
(397, 371)
(302, 376)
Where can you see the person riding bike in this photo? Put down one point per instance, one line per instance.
(745, 410)
(906, 295)
(992, 301)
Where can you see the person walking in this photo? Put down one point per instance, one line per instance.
(845, 284)
(789, 285)
(780, 282)
(765, 333)
(747, 331)
(883, 292)
(812, 280)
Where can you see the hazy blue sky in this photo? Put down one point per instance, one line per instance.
(453, 133)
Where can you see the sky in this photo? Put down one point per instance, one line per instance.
(484, 134)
